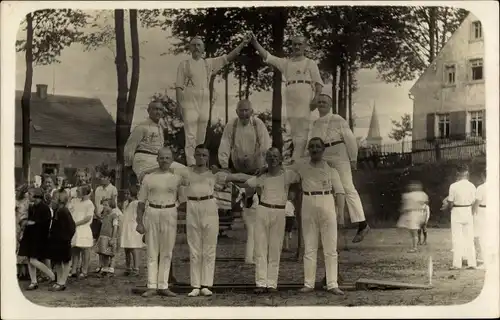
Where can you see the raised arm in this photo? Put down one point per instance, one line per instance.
(131, 146)
(277, 62)
(236, 51)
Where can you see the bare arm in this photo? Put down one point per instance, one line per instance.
(236, 51)
(262, 52)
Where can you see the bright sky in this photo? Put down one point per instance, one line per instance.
(93, 74)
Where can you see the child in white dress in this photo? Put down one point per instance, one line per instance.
(131, 240)
(82, 211)
(413, 214)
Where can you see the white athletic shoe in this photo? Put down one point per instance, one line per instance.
(206, 292)
(194, 293)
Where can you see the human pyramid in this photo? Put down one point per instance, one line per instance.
(323, 171)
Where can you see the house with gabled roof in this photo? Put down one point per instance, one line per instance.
(66, 133)
(449, 97)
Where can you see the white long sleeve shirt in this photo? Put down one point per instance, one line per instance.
(245, 142)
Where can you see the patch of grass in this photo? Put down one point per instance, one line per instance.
(381, 256)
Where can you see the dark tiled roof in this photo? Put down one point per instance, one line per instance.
(67, 121)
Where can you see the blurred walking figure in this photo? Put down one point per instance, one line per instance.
(481, 220)
(413, 211)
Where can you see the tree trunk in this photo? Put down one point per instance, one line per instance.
(240, 83)
(122, 130)
(226, 89)
(349, 81)
(341, 94)
(432, 33)
(278, 34)
(334, 89)
(248, 81)
(211, 98)
(26, 100)
(132, 95)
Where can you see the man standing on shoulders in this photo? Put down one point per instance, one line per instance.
(244, 141)
(192, 92)
(157, 197)
(341, 152)
(303, 86)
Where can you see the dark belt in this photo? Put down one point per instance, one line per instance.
(272, 206)
(331, 144)
(298, 81)
(482, 206)
(200, 198)
(462, 206)
(163, 206)
(317, 193)
(146, 152)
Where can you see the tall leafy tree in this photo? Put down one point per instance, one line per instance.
(112, 36)
(48, 32)
(420, 35)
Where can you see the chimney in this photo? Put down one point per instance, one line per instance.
(41, 91)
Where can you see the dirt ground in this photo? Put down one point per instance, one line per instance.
(382, 256)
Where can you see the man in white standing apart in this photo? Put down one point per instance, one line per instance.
(481, 220)
(192, 93)
(342, 153)
(141, 149)
(157, 197)
(303, 86)
(244, 141)
(202, 220)
(461, 197)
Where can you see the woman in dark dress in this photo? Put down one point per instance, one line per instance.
(61, 232)
(34, 243)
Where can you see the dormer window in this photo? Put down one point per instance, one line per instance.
(477, 31)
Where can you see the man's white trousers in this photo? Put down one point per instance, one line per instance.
(269, 231)
(462, 236)
(195, 114)
(161, 232)
(319, 217)
(298, 112)
(202, 226)
(353, 201)
(249, 217)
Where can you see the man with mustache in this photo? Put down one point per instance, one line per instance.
(244, 141)
(341, 152)
(141, 149)
(192, 92)
(303, 85)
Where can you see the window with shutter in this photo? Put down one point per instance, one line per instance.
(431, 122)
(443, 126)
(458, 125)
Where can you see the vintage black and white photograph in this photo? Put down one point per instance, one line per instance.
(253, 156)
